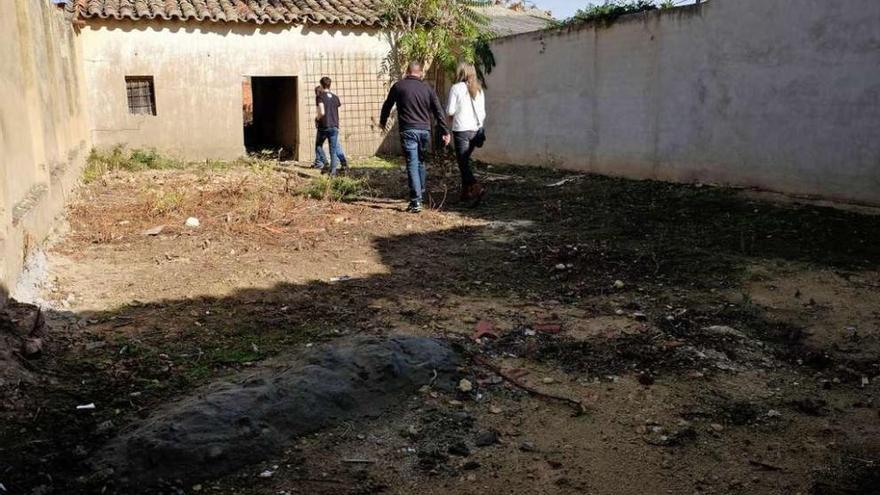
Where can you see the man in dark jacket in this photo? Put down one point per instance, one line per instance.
(416, 104)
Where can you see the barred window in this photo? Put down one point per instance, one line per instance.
(141, 95)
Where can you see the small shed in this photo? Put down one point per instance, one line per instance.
(210, 79)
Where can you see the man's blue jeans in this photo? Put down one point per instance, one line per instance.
(415, 145)
(336, 153)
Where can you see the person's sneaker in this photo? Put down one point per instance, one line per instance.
(317, 166)
(414, 207)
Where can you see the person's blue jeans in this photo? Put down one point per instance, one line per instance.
(336, 154)
(415, 145)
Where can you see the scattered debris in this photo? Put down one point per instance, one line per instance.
(86, 407)
(465, 385)
(576, 404)
(484, 328)
(154, 231)
(528, 447)
(764, 465)
(341, 278)
(551, 328)
(32, 348)
(486, 439)
(725, 331)
(562, 181)
(192, 222)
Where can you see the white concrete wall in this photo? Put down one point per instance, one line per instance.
(43, 132)
(777, 94)
(198, 69)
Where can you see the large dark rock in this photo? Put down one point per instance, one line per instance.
(228, 425)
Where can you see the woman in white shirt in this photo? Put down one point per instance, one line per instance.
(467, 108)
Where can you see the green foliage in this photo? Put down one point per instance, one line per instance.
(442, 32)
(119, 158)
(334, 188)
(380, 162)
(608, 12)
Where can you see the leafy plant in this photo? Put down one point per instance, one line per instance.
(441, 32)
(605, 14)
(334, 188)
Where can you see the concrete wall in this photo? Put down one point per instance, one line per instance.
(198, 68)
(776, 94)
(43, 131)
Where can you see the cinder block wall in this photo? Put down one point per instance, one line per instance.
(43, 133)
(781, 95)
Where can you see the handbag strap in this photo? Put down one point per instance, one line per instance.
(476, 115)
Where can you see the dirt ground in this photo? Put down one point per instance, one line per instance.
(716, 342)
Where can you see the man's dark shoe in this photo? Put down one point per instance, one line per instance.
(475, 194)
(414, 207)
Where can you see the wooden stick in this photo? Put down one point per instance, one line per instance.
(578, 405)
(764, 465)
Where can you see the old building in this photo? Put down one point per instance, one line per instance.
(210, 79)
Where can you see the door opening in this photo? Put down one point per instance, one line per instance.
(269, 107)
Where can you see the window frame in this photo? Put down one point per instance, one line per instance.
(135, 102)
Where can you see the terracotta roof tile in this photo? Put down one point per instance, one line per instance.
(343, 12)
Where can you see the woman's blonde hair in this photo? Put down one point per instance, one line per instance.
(467, 74)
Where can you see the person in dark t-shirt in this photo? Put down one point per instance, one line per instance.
(327, 122)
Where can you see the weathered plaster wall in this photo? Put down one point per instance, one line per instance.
(43, 131)
(198, 69)
(781, 94)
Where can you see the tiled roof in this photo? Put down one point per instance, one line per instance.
(504, 21)
(339, 12)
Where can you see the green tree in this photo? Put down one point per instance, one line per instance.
(437, 32)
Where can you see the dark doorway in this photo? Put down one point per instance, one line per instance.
(269, 107)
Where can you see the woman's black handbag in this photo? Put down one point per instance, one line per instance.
(480, 138)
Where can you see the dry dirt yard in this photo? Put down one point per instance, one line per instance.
(634, 337)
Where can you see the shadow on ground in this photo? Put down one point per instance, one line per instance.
(598, 244)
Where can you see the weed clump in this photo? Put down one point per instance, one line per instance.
(118, 158)
(334, 188)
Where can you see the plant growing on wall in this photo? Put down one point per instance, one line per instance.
(437, 32)
(605, 14)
